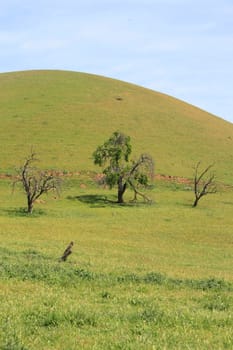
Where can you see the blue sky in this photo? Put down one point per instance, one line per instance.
(183, 48)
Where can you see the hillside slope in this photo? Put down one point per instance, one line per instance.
(66, 115)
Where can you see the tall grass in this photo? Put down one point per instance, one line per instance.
(140, 277)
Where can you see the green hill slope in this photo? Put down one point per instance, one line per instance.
(65, 115)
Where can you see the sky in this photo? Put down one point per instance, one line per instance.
(183, 48)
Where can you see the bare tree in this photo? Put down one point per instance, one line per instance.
(36, 182)
(204, 182)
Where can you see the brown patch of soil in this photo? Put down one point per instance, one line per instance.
(177, 179)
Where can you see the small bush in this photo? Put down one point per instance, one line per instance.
(136, 301)
(216, 302)
(106, 295)
(154, 277)
(131, 277)
(153, 314)
(209, 284)
(85, 274)
(80, 319)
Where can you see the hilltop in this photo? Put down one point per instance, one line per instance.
(66, 115)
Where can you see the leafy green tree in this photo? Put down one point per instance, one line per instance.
(119, 170)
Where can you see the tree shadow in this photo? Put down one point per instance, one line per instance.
(184, 204)
(22, 212)
(101, 201)
(227, 203)
(94, 200)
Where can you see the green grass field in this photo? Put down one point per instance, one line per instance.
(66, 115)
(141, 276)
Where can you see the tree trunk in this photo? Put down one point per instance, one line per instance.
(30, 206)
(195, 202)
(121, 190)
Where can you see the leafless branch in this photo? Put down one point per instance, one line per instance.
(36, 182)
(204, 182)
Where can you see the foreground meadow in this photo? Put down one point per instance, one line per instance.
(141, 276)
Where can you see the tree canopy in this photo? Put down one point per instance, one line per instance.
(119, 170)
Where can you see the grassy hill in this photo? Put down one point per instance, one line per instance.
(141, 276)
(65, 115)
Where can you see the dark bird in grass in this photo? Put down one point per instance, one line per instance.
(67, 252)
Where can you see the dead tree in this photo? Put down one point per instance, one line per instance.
(67, 252)
(36, 182)
(203, 182)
